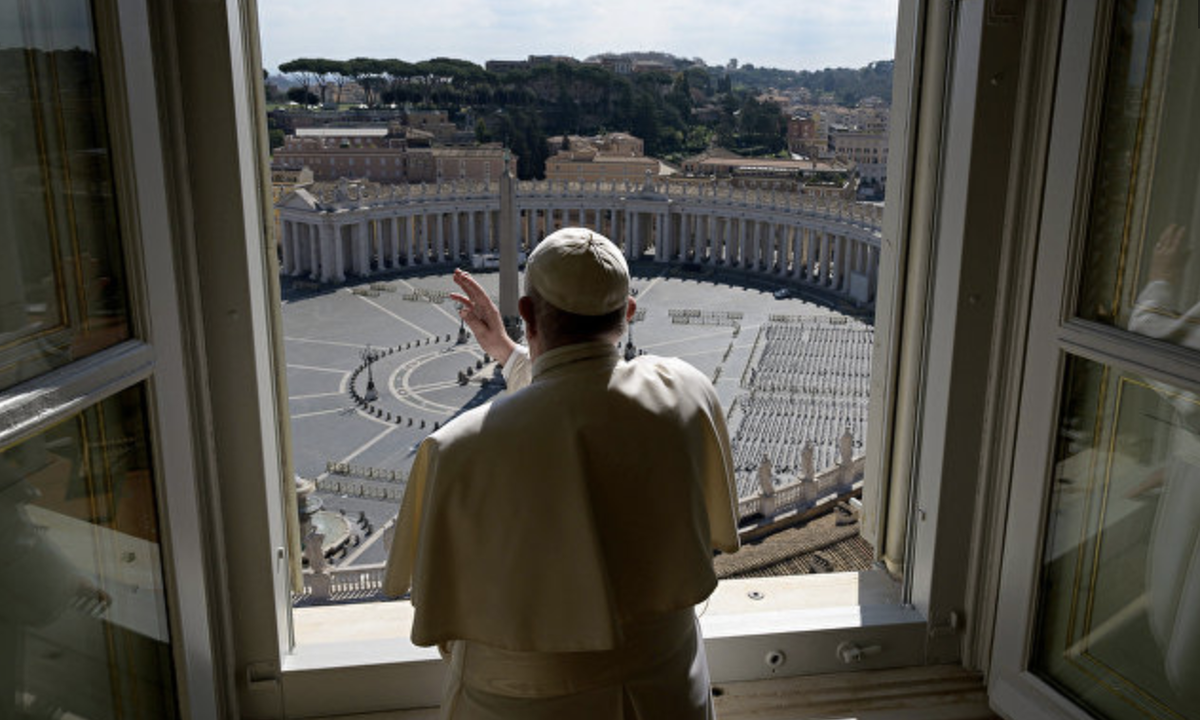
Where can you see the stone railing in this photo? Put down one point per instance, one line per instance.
(342, 584)
(325, 583)
(804, 493)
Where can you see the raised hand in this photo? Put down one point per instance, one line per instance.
(1170, 255)
(482, 317)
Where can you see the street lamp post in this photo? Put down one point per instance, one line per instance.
(368, 357)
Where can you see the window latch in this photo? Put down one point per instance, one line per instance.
(851, 653)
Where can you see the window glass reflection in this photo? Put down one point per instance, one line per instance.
(1138, 271)
(62, 287)
(83, 624)
(1120, 613)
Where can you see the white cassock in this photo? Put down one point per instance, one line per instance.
(558, 539)
(1173, 557)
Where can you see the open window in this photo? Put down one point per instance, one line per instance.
(946, 282)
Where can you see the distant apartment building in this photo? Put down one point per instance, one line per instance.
(551, 59)
(613, 157)
(435, 122)
(868, 151)
(618, 65)
(380, 153)
(503, 66)
(483, 163)
(394, 154)
(645, 66)
(802, 136)
(808, 177)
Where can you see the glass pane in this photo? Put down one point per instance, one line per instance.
(1119, 625)
(83, 624)
(62, 288)
(1145, 211)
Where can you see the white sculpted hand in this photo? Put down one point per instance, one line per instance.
(482, 317)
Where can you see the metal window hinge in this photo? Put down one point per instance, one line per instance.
(262, 675)
(950, 627)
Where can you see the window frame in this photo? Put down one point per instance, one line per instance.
(1055, 335)
(935, 320)
(154, 357)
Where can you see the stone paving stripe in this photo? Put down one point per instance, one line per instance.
(362, 448)
(389, 312)
(319, 369)
(314, 395)
(690, 338)
(319, 412)
(646, 290)
(356, 346)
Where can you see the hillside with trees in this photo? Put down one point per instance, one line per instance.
(678, 111)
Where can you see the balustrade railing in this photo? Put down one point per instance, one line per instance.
(804, 492)
(324, 582)
(360, 195)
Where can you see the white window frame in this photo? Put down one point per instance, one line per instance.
(1055, 334)
(155, 358)
(928, 369)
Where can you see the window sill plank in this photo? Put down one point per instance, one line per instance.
(922, 693)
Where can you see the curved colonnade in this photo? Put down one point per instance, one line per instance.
(332, 230)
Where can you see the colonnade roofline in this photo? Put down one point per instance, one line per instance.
(362, 195)
(329, 230)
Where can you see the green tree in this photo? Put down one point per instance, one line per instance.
(371, 76)
(302, 95)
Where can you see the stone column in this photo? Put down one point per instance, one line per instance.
(472, 241)
(697, 236)
(394, 241)
(293, 249)
(839, 264)
(410, 232)
(440, 236)
(754, 254)
(663, 229)
(629, 222)
(781, 247)
(814, 255)
(661, 237)
(361, 258)
(826, 258)
(339, 255)
(797, 251)
(286, 241)
(709, 238)
(835, 261)
(314, 252)
(455, 218)
(488, 243)
(741, 244)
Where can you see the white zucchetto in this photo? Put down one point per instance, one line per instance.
(579, 271)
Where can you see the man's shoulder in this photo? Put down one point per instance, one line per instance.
(490, 417)
(669, 367)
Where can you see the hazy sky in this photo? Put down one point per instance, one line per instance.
(791, 34)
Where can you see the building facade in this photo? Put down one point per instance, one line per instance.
(613, 157)
(393, 154)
